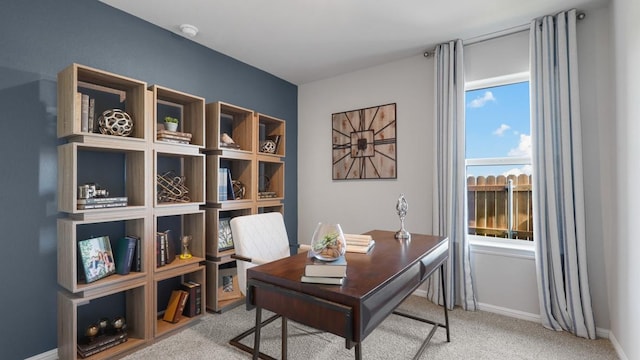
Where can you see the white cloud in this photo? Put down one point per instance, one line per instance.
(500, 131)
(480, 101)
(524, 147)
(525, 169)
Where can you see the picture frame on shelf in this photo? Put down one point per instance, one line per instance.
(97, 258)
(225, 238)
(228, 287)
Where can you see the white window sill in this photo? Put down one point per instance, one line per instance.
(502, 247)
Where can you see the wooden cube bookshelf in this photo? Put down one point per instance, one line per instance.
(213, 216)
(187, 165)
(136, 317)
(214, 303)
(70, 231)
(133, 182)
(236, 122)
(241, 168)
(171, 281)
(189, 110)
(180, 223)
(127, 94)
(270, 206)
(269, 128)
(270, 179)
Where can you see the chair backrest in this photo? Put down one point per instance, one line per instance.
(260, 236)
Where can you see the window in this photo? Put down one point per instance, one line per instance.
(498, 158)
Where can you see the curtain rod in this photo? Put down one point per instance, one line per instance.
(498, 34)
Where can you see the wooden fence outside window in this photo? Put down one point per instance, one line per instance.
(488, 204)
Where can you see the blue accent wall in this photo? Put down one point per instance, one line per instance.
(38, 38)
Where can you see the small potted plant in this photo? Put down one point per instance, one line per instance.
(171, 123)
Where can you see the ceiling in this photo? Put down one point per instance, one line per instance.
(303, 40)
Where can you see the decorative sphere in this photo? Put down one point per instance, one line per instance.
(268, 146)
(92, 330)
(118, 323)
(115, 122)
(104, 322)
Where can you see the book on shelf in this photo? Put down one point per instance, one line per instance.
(161, 252)
(183, 135)
(174, 141)
(267, 194)
(84, 113)
(96, 258)
(184, 296)
(101, 343)
(103, 200)
(165, 249)
(177, 299)
(165, 135)
(336, 268)
(170, 248)
(137, 262)
(322, 280)
(222, 184)
(102, 205)
(230, 194)
(125, 250)
(192, 307)
(92, 121)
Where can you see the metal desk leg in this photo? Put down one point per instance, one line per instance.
(358, 351)
(284, 338)
(256, 339)
(444, 300)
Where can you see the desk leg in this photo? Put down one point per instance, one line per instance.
(256, 339)
(358, 351)
(444, 299)
(284, 338)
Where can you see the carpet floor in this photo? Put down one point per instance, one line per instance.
(475, 335)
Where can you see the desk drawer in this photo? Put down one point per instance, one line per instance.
(302, 308)
(379, 305)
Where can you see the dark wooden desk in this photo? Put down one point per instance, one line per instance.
(375, 285)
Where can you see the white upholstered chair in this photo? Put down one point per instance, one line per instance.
(259, 239)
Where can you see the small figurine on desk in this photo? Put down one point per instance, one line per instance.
(402, 208)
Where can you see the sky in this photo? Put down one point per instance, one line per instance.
(498, 125)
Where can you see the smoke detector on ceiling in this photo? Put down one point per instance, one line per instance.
(188, 30)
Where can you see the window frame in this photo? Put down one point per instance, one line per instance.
(499, 246)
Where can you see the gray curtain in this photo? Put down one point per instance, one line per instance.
(449, 194)
(558, 203)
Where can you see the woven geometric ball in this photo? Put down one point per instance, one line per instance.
(115, 122)
(268, 146)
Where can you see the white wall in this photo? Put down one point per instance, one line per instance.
(623, 250)
(370, 204)
(361, 205)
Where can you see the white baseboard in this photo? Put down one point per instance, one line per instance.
(600, 332)
(49, 355)
(617, 347)
(509, 312)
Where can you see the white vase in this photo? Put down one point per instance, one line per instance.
(171, 126)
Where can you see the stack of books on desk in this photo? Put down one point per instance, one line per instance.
(325, 272)
(359, 243)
